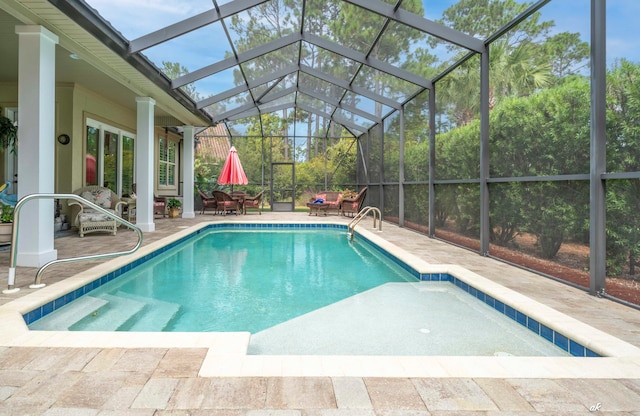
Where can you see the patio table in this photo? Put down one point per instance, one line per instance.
(240, 200)
(317, 207)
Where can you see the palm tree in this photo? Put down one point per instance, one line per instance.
(513, 70)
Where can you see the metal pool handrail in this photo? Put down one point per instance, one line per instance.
(14, 239)
(365, 211)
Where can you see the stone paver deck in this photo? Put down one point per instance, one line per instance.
(168, 380)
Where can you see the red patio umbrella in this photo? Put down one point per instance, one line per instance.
(232, 172)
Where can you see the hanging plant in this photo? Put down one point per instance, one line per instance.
(8, 133)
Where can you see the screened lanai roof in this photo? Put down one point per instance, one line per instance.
(348, 62)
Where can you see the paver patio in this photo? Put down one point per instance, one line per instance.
(165, 381)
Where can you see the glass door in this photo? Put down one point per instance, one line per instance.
(111, 166)
(91, 156)
(109, 158)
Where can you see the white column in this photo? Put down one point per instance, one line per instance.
(36, 140)
(187, 173)
(145, 163)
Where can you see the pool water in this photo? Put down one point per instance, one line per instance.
(298, 291)
(231, 281)
(421, 318)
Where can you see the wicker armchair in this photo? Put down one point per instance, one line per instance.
(159, 205)
(225, 202)
(208, 202)
(252, 202)
(353, 205)
(89, 220)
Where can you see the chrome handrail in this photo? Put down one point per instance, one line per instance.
(14, 239)
(377, 215)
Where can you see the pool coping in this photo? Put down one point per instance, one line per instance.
(227, 351)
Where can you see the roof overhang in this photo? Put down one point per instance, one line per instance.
(83, 33)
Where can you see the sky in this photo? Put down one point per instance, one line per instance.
(209, 44)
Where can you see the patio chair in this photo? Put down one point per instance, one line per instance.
(253, 202)
(208, 202)
(353, 205)
(89, 220)
(159, 206)
(159, 203)
(225, 202)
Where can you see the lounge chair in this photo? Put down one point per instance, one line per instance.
(225, 202)
(89, 220)
(253, 202)
(353, 205)
(208, 202)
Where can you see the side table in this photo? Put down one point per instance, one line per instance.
(130, 209)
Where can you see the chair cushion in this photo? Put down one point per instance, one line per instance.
(349, 205)
(88, 196)
(101, 198)
(335, 201)
(90, 215)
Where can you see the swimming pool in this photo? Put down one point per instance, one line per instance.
(544, 332)
(231, 280)
(227, 352)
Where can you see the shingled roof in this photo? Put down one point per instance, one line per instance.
(213, 142)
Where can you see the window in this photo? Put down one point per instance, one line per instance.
(167, 163)
(109, 157)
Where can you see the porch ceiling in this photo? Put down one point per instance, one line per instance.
(99, 68)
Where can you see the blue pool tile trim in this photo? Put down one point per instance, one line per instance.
(394, 259)
(572, 347)
(561, 341)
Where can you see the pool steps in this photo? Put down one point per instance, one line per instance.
(73, 312)
(156, 311)
(117, 312)
(123, 312)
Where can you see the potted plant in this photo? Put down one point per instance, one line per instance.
(174, 207)
(6, 223)
(348, 193)
(8, 133)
